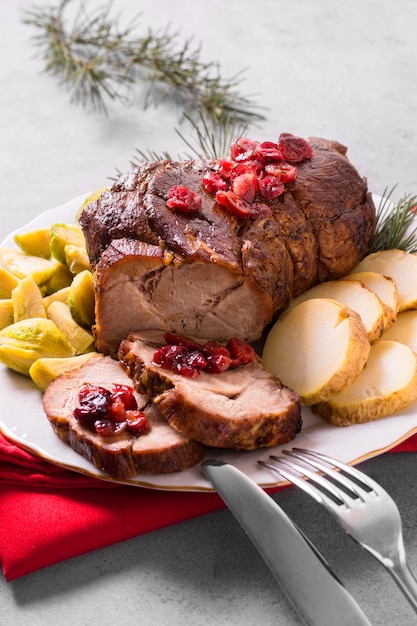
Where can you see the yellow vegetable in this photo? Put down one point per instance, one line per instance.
(63, 235)
(44, 371)
(7, 283)
(35, 242)
(6, 312)
(60, 278)
(61, 295)
(81, 339)
(81, 299)
(20, 265)
(22, 343)
(27, 300)
(76, 258)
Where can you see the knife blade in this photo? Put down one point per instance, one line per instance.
(305, 577)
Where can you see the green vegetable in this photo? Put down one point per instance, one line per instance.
(81, 339)
(63, 235)
(44, 371)
(22, 343)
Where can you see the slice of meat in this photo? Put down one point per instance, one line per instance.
(243, 408)
(161, 450)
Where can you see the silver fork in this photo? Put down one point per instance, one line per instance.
(361, 506)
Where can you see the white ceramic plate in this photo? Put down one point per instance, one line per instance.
(23, 421)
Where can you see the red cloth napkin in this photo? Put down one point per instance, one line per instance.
(49, 514)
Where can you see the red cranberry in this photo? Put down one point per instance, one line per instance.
(169, 356)
(270, 187)
(107, 428)
(270, 151)
(223, 167)
(283, 170)
(243, 149)
(126, 395)
(293, 148)
(235, 205)
(136, 422)
(217, 363)
(241, 351)
(117, 410)
(214, 182)
(245, 185)
(183, 199)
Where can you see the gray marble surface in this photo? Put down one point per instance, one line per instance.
(346, 71)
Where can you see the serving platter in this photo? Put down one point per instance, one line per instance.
(23, 421)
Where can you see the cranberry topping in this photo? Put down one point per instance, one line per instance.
(190, 358)
(270, 187)
(270, 151)
(235, 205)
(283, 170)
(214, 182)
(109, 413)
(224, 166)
(293, 148)
(183, 199)
(253, 169)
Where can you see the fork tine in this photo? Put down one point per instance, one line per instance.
(294, 473)
(337, 476)
(363, 479)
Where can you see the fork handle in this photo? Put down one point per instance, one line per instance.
(403, 576)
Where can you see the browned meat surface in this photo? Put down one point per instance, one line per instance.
(213, 275)
(243, 408)
(160, 450)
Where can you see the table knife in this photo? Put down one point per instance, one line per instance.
(307, 580)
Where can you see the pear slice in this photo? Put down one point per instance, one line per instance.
(404, 330)
(400, 266)
(387, 385)
(355, 295)
(316, 348)
(386, 290)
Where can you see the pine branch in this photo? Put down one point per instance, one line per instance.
(396, 225)
(97, 60)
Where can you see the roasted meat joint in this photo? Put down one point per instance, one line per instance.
(191, 262)
(230, 265)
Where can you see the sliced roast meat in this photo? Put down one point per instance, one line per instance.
(209, 273)
(160, 450)
(142, 286)
(243, 408)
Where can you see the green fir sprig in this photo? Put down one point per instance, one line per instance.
(396, 223)
(99, 60)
